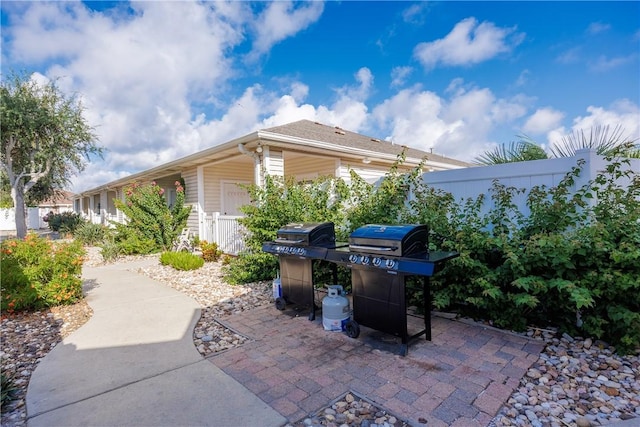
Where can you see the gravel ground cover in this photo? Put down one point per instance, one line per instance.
(575, 382)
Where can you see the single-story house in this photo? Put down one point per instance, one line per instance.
(302, 149)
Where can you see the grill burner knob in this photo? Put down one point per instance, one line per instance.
(353, 259)
(390, 263)
(365, 260)
(377, 262)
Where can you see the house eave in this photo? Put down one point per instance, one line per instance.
(319, 147)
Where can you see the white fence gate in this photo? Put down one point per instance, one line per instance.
(225, 231)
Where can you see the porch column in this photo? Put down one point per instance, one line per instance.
(272, 163)
(200, 205)
(104, 207)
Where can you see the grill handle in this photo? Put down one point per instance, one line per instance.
(289, 241)
(372, 248)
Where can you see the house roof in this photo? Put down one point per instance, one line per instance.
(307, 129)
(61, 198)
(303, 136)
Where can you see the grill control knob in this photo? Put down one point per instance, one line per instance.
(377, 262)
(353, 258)
(365, 260)
(390, 263)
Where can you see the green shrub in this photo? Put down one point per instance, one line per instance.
(7, 389)
(250, 267)
(37, 273)
(570, 263)
(210, 251)
(181, 260)
(65, 222)
(90, 234)
(150, 218)
(109, 250)
(133, 244)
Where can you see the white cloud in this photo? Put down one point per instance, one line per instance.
(468, 43)
(604, 63)
(282, 19)
(542, 121)
(597, 28)
(416, 13)
(623, 113)
(569, 56)
(523, 78)
(399, 75)
(458, 127)
(361, 91)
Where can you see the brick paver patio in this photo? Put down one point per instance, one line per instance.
(462, 377)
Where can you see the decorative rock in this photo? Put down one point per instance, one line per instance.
(534, 373)
(583, 422)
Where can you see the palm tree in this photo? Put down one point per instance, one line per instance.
(598, 138)
(517, 151)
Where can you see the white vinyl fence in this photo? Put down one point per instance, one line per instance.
(471, 182)
(34, 218)
(225, 231)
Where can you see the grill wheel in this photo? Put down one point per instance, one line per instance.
(281, 303)
(352, 329)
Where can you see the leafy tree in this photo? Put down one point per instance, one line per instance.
(45, 140)
(5, 191)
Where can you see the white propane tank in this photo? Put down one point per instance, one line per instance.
(335, 309)
(277, 287)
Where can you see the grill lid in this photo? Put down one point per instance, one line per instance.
(307, 234)
(394, 240)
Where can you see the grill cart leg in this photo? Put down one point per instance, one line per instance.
(404, 349)
(426, 293)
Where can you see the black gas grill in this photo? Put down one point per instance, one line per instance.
(298, 245)
(381, 259)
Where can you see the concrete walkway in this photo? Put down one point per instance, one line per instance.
(134, 364)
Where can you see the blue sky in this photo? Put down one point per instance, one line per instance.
(162, 80)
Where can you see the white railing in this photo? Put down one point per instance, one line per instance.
(225, 231)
